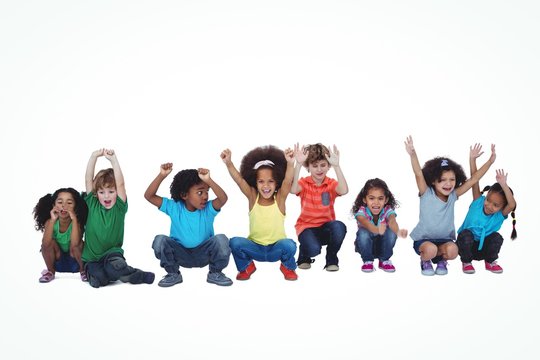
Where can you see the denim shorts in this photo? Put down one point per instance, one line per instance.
(66, 263)
(416, 244)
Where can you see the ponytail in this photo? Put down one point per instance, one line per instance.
(514, 232)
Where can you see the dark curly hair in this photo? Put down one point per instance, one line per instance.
(182, 182)
(42, 210)
(268, 152)
(374, 184)
(434, 168)
(497, 188)
(316, 152)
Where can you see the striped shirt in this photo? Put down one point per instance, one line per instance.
(317, 203)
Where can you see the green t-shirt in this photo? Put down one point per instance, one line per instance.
(104, 231)
(63, 239)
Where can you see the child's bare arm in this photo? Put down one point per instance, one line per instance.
(417, 169)
(151, 192)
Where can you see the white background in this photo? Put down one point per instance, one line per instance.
(179, 81)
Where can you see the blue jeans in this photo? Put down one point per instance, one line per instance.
(311, 241)
(244, 251)
(214, 252)
(371, 246)
(110, 268)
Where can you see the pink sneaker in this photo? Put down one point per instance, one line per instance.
(368, 267)
(46, 276)
(467, 268)
(386, 266)
(494, 267)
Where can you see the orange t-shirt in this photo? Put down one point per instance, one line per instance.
(317, 203)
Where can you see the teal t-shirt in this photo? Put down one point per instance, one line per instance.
(104, 231)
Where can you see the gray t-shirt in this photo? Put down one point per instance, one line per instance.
(436, 217)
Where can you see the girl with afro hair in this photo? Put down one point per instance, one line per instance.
(440, 183)
(61, 217)
(265, 178)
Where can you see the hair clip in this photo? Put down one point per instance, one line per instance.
(444, 162)
(263, 163)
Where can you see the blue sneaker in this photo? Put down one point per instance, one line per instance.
(170, 279)
(441, 268)
(426, 267)
(218, 278)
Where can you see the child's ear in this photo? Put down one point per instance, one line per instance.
(183, 196)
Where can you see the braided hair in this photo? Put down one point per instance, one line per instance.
(497, 188)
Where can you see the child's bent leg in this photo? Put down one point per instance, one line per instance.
(310, 244)
(218, 252)
(97, 276)
(465, 243)
(448, 250)
(283, 250)
(337, 231)
(116, 268)
(364, 244)
(387, 243)
(492, 246)
(428, 251)
(244, 251)
(165, 249)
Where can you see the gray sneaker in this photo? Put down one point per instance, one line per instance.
(170, 279)
(218, 278)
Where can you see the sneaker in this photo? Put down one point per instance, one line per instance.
(441, 268)
(46, 276)
(467, 268)
(246, 274)
(387, 266)
(426, 267)
(368, 267)
(170, 279)
(494, 267)
(84, 278)
(218, 278)
(148, 278)
(332, 267)
(288, 273)
(305, 264)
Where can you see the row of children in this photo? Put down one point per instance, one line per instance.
(266, 177)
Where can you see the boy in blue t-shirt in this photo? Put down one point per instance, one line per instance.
(192, 242)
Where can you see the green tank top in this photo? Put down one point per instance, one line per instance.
(266, 224)
(63, 239)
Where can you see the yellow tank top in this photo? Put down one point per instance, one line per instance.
(266, 224)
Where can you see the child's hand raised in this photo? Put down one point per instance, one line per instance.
(289, 155)
(476, 151)
(165, 169)
(300, 154)
(409, 145)
(333, 158)
(226, 156)
(204, 174)
(501, 177)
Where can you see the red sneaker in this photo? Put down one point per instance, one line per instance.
(494, 267)
(246, 274)
(467, 268)
(386, 266)
(288, 273)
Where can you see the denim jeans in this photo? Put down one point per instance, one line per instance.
(112, 267)
(371, 246)
(214, 252)
(330, 234)
(244, 251)
(468, 247)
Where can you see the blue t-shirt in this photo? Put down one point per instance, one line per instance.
(436, 217)
(189, 228)
(480, 224)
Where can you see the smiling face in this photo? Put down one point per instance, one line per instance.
(107, 196)
(64, 203)
(494, 202)
(318, 170)
(266, 184)
(197, 197)
(445, 184)
(375, 200)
